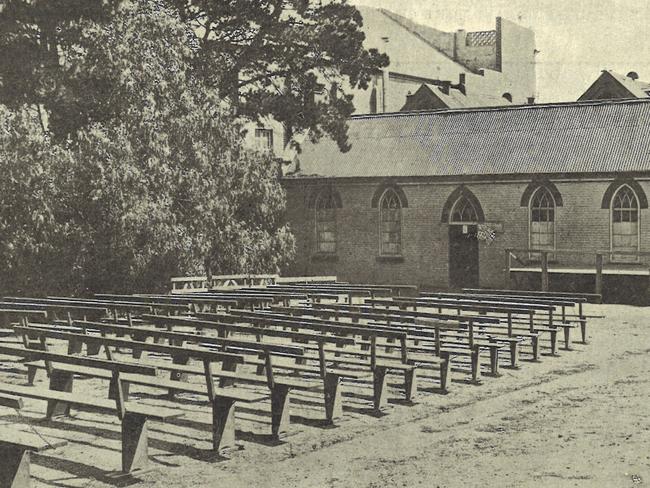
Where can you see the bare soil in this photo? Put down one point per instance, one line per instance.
(581, 419)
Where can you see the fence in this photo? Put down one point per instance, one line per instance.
(617, 264)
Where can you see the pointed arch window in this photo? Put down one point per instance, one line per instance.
(464, 212)
(624, 224)
(390, 207)
(325, 219)
(542, 221)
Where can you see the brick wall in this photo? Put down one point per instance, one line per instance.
(580, 224)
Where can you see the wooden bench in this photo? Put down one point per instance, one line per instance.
(579, 298)
(418, 326)
(379, 368)
(510, 307)
(15, 449)
(60, 398)
(507, 312)
(331, 377)
(221, 399)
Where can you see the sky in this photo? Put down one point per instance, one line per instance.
(577, 39)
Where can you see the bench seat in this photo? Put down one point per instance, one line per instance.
(15, 448)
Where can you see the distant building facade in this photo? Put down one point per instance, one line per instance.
(436, 198)
(465, 69)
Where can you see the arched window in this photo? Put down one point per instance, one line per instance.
(464, 212)
(625, 224)
(325, 217)
(542, 220)
(390, 231)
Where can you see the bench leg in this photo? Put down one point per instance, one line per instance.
(410, 384)
(177, 375)
(223, 423)
(227, 365)
(494, 361)
(112, 390)
(59, 381)
(476, 365)
(279, 410)
(261, 368)
(92, 349)
(135, 442)
(380, 399)
(31, 374)
(535, 344)
(554, 342)
(14, 472)
(514, 355)
(583, 330)
(445, 370)
(74, 347)
(333, 399)
(567, 338)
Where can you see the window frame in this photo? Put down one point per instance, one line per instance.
(390, 192)
(612, 209)
(264, 138)
(476, 221)
(331, 201)
(535, 193)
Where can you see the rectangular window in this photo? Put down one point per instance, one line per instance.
(264, 138)
(391, 231)
(326, 230)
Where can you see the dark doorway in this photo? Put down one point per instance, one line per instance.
(463, 256)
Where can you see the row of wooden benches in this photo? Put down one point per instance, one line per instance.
(326, 341)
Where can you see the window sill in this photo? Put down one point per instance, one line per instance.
(324, 258)
(390, 259)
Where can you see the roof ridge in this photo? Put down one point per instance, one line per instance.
(503, 108)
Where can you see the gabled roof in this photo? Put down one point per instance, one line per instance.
(614, 85)
(429, 97)
(588, 137)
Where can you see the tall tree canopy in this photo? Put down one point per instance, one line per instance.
(158, 184)
(292, 60)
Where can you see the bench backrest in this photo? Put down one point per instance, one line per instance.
(82, 361)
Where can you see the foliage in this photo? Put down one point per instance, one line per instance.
(157, 184)
(286, 59)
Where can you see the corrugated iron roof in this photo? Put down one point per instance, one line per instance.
(586, 137)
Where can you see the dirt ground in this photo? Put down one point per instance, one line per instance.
(581, 419)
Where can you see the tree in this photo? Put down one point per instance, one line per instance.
(40, 42)
(291, 60)
(159, 185)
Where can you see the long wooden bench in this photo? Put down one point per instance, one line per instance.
(378, 367)
(331, 377)
(510, 308)
(222, 400)
(416, 324)
(16, 446)
(60, 398)
(580, 298)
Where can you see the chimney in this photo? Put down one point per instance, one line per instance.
(531, 100)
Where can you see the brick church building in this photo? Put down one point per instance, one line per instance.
(435, 198)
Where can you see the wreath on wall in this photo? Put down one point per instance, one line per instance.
(486, 233)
